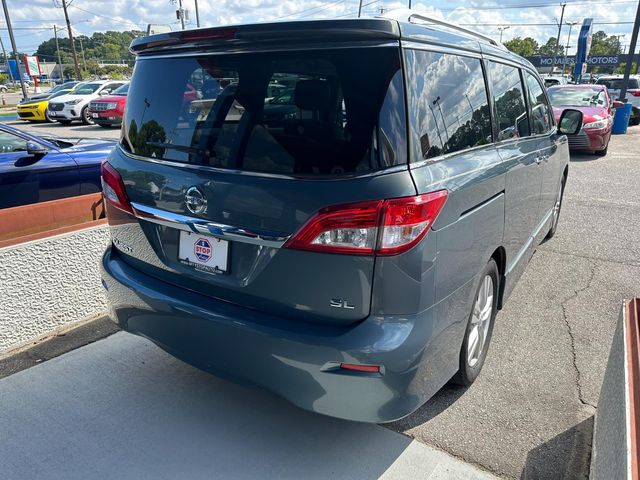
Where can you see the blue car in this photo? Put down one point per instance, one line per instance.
(37, 169)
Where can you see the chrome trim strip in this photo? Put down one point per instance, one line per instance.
(198, 225)
(207, 168)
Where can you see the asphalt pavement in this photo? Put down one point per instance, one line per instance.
(75, 130)
(120, 408)
(529, 415)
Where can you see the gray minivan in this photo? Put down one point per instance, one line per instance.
(333, 210)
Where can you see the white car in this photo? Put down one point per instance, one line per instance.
(552, 80)
(75, 105)
(614, 84)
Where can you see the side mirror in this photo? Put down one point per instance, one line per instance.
(617, 104)
(570, 122)
(36, 150)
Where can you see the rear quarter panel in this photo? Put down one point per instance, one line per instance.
(471, 224)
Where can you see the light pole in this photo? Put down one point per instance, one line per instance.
(15, 50)
(6, 61)
(566, 51)
(502, 29)
(55, 34)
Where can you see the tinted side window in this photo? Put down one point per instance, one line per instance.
(448, 103)
(540, 110)
(11, 143)
(508, 96)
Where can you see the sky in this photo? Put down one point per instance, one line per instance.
(33, 20)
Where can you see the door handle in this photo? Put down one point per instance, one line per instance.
(541, 158)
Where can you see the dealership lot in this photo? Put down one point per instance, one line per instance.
(75, 130)
(530, 414)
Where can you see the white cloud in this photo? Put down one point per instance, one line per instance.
(88, 16)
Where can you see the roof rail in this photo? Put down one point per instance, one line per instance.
(406, 15)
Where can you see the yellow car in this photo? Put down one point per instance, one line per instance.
(34, 109)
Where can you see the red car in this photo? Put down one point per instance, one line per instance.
(108, 111)
(596, 106)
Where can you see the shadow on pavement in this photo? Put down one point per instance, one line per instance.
(442, 400)
(585, 157)
(122, 408)
(563, 457)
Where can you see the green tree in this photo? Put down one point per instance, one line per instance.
(603, 44)
(525, 47)
(551, 48)
(107, 47)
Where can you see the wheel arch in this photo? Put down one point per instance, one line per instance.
(500, 257)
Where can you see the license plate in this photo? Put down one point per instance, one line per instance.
(95, 115)
(202, 252)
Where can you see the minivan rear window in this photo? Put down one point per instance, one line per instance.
(321, 112)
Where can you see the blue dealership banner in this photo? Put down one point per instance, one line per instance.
(592, 60)
(584, 46)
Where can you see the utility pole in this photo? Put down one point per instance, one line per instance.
(6, 62)
(181, 13)
(84, 61)
(15, 50)
(632, 53)
(553, 63)
(502, 29)
(566, 50)
(55, 34)
(359, 8)
(197, 15)
(409, 4)
(73, 45)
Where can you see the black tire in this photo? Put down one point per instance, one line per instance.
(556, 215)
(602, 153)
(468, 370)
(84, 116)
(633, 121)
(65, 122)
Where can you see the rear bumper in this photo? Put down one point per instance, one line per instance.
(295, 360)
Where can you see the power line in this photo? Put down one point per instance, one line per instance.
(536, 5)
(355, 12)
(322, 9)
(113, 19)
(322, 6)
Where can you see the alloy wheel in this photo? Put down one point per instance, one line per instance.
(480, 321)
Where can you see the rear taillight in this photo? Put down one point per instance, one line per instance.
(381, 227)
(634, 92)
(113, 188)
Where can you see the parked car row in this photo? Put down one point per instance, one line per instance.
(74, 106)
(95, 102)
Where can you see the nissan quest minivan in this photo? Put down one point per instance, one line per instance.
(332, 210)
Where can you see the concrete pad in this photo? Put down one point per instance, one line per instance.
(122, 408)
